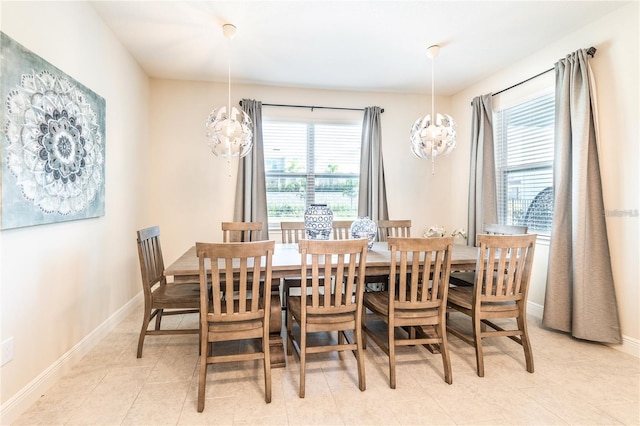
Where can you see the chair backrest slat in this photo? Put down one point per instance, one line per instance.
(503, 269)
(241, 232)
(420, 267)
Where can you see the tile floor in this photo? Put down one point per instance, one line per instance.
(574, 383)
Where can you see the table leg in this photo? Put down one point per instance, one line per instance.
(276, 347)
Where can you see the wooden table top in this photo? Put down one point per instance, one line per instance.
(286, 260)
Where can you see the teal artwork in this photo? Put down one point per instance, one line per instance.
(53, 142)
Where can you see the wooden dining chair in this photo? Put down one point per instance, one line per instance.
(161, 297)
(342, 229)
(247, 266)
(467, 278)
(415, 308)
(241, 232)
(393, 228)
(329, 308)
(503, 273)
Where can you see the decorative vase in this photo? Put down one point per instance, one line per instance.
(363, 227)
(318, 222)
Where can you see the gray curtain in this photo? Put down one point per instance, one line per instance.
(251, 189)
(483, 207)
(580, 296)
(372, 196)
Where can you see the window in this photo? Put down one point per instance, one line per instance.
(309, 163)
(524, 163)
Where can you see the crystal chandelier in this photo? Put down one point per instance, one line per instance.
(433, 135)
(229, 131)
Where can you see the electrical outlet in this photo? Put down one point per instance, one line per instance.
(7, 350)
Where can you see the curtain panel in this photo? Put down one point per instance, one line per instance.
(251, 189)
(372, 195)
(483, 207)
(580, 296)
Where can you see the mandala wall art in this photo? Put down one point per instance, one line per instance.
(53, 142)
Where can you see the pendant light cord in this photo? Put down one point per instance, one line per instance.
(229, 81)
(433, 113)
(433, 90)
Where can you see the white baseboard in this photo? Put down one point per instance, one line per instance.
(27, 396)
(629, 345)
(535, 310)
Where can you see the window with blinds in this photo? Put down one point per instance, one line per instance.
(310, 163)
(524, 163)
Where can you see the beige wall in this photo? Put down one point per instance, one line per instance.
(60, 282)
(616, 70)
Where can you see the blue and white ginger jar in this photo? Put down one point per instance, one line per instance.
(318, 222)
(363, 227)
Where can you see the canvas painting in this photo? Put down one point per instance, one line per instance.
(53, 142)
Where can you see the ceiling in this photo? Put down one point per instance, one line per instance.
(343, 45)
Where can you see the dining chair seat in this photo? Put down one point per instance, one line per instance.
(178, 295)
(378, 301)
(462, 278)
(344, 319)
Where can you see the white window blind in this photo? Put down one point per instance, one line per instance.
(524, 163)
(309, 163)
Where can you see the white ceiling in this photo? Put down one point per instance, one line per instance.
(350, 45)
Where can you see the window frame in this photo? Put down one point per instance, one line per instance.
(311, 178)
(544, 87)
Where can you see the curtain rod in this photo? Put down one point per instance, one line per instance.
(591, 52)
(312, 107)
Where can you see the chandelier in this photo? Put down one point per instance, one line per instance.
(433, 135)
(229, 131)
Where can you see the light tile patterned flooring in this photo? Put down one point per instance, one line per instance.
(575, 382)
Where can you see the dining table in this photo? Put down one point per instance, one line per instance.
(286, 263)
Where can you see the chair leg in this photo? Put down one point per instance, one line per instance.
(362, 384)
(158, 318)
(202, 378)
(303, 359)
(441, 331)
(477, 340)
(267, 367)
(289, 327)
(143, 331)
(526, 343)
(363, 327)
(392, 357)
